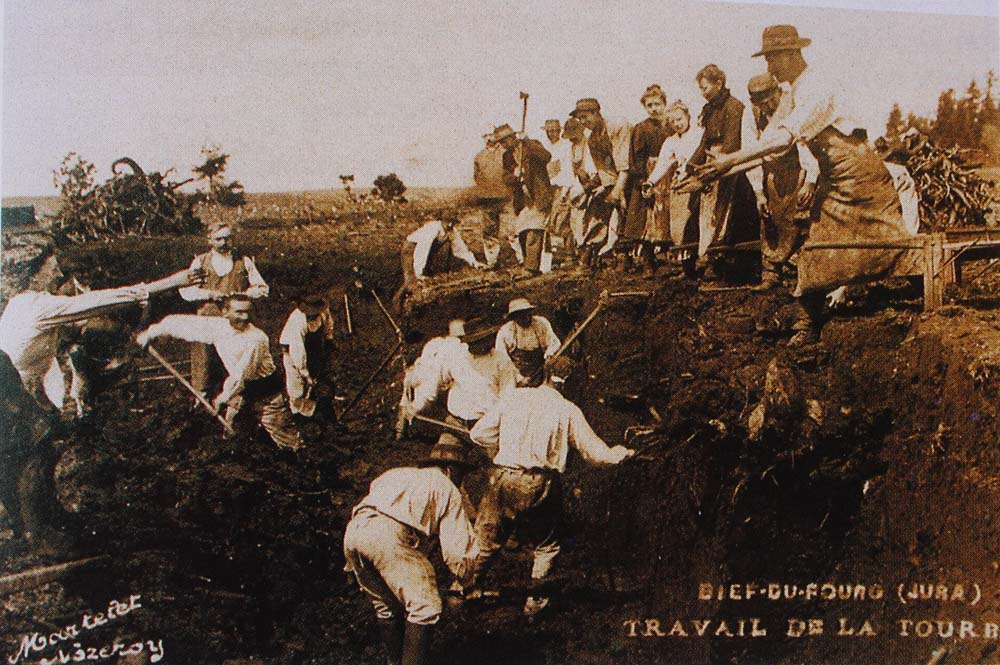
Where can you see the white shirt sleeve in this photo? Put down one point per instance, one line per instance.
(807, 162)
(592, 448)
(258, 287)
(76, 307)
(188, 327)
(486, 431)
(552, 342)
(460, 250)
(293, 336)
(751, 133)
(458, 548)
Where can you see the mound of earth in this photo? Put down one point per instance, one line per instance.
(867, 461)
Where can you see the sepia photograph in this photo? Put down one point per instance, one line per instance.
(500, 333)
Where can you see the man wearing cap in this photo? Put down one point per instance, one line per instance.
(856, 199)
(529, 434)
(245, 352)
(305, 343)
(610, 145)
(445, 363)
(525, 162)
(525, 342)
(784, 187)
(428, 251)
(386, 540)
(226, 272)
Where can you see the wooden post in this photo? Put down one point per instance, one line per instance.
(934, 276)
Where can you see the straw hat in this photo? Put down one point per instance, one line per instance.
(519, 305)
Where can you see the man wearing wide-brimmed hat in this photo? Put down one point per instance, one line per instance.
(525, 162)
(609, 146)
(856, 198)
(525, 341)
(784, 186)
(305, 351)
(530, 433)
(493, 196)
(386, 541)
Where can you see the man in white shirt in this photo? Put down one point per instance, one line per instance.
(525, 342)
(428, 251)
(305, 350)
(30, 324)
(445, 363)
(531, 431)
(246, 355)
(386, 541)
(226, 272)
(560, 169)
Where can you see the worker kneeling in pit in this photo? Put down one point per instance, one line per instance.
(386, 541)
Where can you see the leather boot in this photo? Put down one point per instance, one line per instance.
(416, 644)
(391, 632)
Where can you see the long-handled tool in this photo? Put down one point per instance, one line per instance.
(457, 429)
(347, 316)
(184, 382)
(378, 370)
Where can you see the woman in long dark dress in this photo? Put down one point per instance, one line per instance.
(641, 230)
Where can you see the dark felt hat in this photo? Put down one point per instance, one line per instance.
(781, 38)
(448, 450)
(584, 105)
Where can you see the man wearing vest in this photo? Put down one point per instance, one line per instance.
(226, 272)
(525, 341)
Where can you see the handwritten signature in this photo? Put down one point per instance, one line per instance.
(36, 642)
(80, 653)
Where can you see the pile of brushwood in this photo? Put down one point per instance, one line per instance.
(952, 193)
(135, 203)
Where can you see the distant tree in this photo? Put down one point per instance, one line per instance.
(968, 124)
(347, 181)
(389, 188)
(945, 131)
(894, 126)
(75, 181)
(212, 171)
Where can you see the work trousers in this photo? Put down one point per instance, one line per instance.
(273, 415)
(528, 501)
(386, 559)
(531, 247)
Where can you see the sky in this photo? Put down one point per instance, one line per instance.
(299, 92)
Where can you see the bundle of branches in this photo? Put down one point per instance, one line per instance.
(951, 193)
(128, 203)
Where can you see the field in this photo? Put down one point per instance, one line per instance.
(874, 466)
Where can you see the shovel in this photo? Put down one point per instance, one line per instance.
(305, 405)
